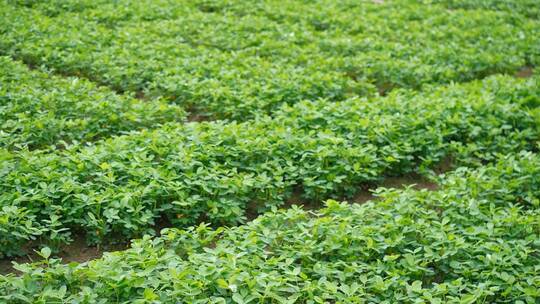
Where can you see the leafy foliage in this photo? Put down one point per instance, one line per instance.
(38, 110)
(474, 240)
(215, 171)
(311, 100)
(529, 8)
(225, 59)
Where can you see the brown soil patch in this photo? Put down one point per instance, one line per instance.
(445, 165)
(385, 88)
(297, 199)
(77, 251)
(415, 180)
(141, 95)
(524, 72)
(193, 117)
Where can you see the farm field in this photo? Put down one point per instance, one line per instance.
(269, 151)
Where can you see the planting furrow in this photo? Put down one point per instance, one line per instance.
(79, 251)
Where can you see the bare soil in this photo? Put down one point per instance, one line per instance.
(78, 251)
(417, 181)
(525, 72)
(194, 117)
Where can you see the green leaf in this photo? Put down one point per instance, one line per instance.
(45, 252)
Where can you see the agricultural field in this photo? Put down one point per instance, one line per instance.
(226, 151)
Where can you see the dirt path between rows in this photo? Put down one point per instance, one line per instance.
(78, 251)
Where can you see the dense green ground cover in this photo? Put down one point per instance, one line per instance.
(304, 100)
(529, 8)
(38, 110)
(226, 59)
(476, 240)
(212, 171)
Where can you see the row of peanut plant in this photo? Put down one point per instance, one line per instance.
(475, 240)
(225, 59)
(529, 8)
(215, 172)
(39, 110)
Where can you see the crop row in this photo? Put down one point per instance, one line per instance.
(229, 60)
(119, 11)
(529, 8)
(474, 240)
(38, 110)
(216, 171)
